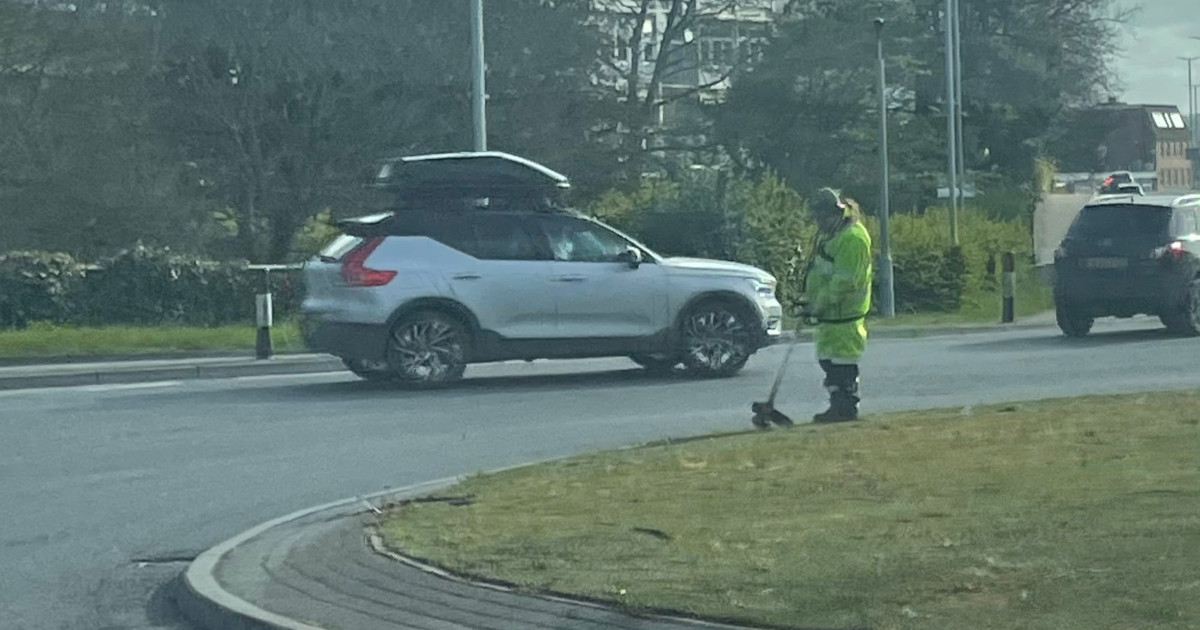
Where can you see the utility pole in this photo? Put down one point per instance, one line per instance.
(1193, 115)
(951, 129)
(478, 77)
(886, 285)
(959, 141)
(1191, 100)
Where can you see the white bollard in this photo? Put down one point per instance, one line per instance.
(264, 316)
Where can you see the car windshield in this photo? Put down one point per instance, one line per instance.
(1116, 221)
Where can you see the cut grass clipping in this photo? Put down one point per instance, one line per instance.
(1081, 513)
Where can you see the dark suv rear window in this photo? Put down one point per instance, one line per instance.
(1125, 220)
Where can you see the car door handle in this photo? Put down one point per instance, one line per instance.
(467, 276)
(570, 279)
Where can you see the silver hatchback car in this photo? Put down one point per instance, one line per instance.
(476, 262)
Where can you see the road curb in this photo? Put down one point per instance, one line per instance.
(133, 374)
(202, 600)
(205, 603)
(918, 332)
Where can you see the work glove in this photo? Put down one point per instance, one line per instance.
(805, 313)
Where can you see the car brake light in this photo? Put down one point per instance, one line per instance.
(1175, 250)
(357, 274)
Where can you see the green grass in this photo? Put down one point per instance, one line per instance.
(1070, 514)
(43, 340)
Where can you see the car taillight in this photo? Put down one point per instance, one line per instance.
(1174, 251)
(355, 271)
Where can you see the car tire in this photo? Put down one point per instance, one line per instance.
(656, 364)
(427, 350)
(1185, 321)
(1073, 324)
(360, 369)
(717, 338)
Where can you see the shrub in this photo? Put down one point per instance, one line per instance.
(140, 286)
(760, 222)
(932, 275)
(152, 286)
(37, 286)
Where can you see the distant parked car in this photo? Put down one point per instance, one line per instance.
(1131, 255)
(477, 262)
(1119, 182)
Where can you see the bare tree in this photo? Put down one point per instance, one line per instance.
(667, 54)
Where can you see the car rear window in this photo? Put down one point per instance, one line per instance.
(1116, 221)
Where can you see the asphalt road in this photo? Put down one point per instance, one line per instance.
(106, 491)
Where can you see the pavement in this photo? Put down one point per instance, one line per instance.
(324, 566)
(36, 373)
(111, 491)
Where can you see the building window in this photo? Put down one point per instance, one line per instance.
(620, 47)
(717, 52)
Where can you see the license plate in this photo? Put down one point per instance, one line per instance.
(1106, 263)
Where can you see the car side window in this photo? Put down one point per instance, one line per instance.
(577, 240)
(1185, 222)
(484, 235)
(503, 237)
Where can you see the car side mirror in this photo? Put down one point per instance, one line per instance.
(631, 257)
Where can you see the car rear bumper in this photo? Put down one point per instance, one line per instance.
(346, 340)
(1118, 293)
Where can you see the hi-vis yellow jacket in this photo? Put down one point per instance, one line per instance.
(838, 290)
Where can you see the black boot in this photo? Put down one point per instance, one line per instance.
(842, 383)
(843, 407)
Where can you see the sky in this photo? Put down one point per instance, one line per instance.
(1158, 34)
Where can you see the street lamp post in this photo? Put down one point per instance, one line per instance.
(887, 293)
(951, 127)
(958, 105)
(1191, 100)
(478, 77)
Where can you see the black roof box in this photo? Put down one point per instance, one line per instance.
(476, 174)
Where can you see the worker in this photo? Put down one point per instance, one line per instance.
(837, 298)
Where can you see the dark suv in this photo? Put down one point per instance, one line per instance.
(1129, 255)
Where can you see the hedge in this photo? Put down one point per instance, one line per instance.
(140, 286)
(37, 286)
(760, 222)
(763, 222)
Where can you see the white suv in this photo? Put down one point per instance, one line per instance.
(475, 263)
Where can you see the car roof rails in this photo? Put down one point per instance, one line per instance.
(467, 175)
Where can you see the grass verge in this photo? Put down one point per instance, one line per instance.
(1081, 513)
(43, 341)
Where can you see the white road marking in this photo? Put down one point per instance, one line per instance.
(284, 377)
(116, 387)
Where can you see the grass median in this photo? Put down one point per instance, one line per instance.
(1080, 513)
(48, 341)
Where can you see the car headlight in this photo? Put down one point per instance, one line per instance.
(764, 288)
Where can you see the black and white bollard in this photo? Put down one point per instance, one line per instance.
(264, 317)
(1010, 288)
